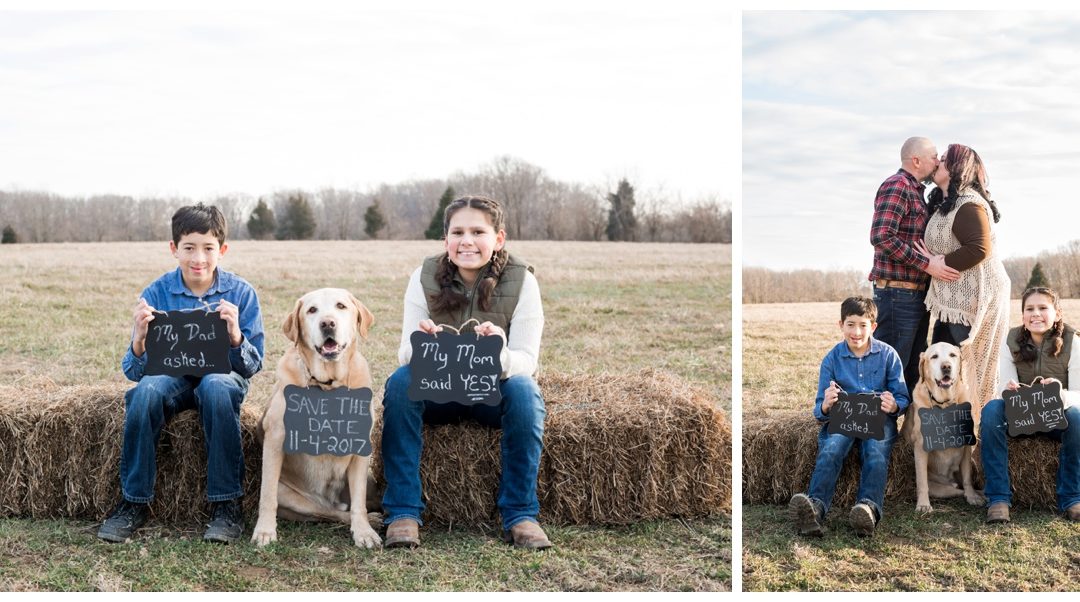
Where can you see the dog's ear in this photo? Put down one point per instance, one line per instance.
(959, 365)
(291, 327)
(924, 366)
(364, 318)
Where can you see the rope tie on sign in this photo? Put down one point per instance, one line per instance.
(208, 307)
(458, 330)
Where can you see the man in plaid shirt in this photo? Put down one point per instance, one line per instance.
(901, 274)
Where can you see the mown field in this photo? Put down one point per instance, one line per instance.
(65, 311)
(950, 549)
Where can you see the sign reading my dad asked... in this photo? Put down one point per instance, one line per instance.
(942, 428)
(1035, 409)
(335, 422)
(462, 368)
(857, 415)
(187, 343)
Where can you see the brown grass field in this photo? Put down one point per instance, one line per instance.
(611, 308)
(948, 550)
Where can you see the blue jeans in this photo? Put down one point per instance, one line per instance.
(950, 332)
(154, 401)
(521, 417)
(994, 446)
(875, 455)
(903, 323)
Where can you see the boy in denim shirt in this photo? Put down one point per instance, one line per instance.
(198, 242)
(858, 364)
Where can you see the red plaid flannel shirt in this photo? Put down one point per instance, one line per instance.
(899, 220)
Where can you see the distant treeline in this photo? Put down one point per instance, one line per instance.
(1060, 269)
(538, 207)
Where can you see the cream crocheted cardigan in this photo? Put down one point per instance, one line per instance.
(980, 299)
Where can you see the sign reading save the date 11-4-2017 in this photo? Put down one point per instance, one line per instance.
(462, 368)
(335, 422)
(187, 343)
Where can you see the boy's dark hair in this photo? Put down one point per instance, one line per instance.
(863, 307)
(200, 219)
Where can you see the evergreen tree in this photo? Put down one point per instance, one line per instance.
(374, 220)
(435, 228)
(1038, 278)
(298, 223)
(9, 235)
(261, 224)
(622, 223)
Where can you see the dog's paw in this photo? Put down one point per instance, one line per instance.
(366, 537)
(975, 498)
(924, 508)
(263, 535)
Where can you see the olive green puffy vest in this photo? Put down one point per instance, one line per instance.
(504, 298)
(1044, 364)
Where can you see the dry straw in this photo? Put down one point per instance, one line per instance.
(617, 449)
(779, 450)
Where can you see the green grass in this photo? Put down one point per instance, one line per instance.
(951, 549)
(65, 311)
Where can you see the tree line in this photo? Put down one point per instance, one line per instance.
(538, 207)
(1058, 269)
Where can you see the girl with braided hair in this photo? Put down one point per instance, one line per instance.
(1040, 348)
(474, 278)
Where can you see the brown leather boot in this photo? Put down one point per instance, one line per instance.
(527, 534)
(402, 533)
(1073, 512)
(998, 513)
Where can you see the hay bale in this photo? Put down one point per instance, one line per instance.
(618, 449)
(779, 450)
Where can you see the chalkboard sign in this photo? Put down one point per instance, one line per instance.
(335, 422)
(857, 415)
(943, 428)
(462, 368)
(1035, 409)
(187, 343)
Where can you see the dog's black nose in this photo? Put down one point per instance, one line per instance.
(327, 325)
(946, 368)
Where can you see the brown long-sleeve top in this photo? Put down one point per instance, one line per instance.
(972, 228)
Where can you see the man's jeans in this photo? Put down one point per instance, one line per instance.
(154, 401)
(874, 457)
(994, 446)
(521, 417)
(903, 323)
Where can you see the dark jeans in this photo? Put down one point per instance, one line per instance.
(874, 457)
(994, 448)
(520, 415)
(154, 401)
(903, 323)
(950, 332)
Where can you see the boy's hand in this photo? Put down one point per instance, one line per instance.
(231, 314)
(429, 326)
(888, 403)
(831, 395)
(143, 315)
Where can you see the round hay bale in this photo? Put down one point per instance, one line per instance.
(779, 450)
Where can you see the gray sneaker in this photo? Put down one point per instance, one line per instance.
(862, 520)
(123, 521)
(226, 522)
(804, 513)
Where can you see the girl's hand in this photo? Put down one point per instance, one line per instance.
(1012, 385)
(429, 326)
(487, 328)
(1047, 381)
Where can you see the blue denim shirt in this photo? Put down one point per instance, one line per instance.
(169, 293)
(877, 371)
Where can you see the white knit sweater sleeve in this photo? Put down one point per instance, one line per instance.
(1006, 367)
(520, 356)
(416, 309)
(1072, 396)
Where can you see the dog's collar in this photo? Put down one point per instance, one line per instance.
(930, 394)
(315, 381)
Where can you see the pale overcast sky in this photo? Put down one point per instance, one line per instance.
(829, 97)
(200, 103)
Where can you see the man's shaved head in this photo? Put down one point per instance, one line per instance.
(916, 145)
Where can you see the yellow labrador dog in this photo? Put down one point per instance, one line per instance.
(326, 327)
(941, 385)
